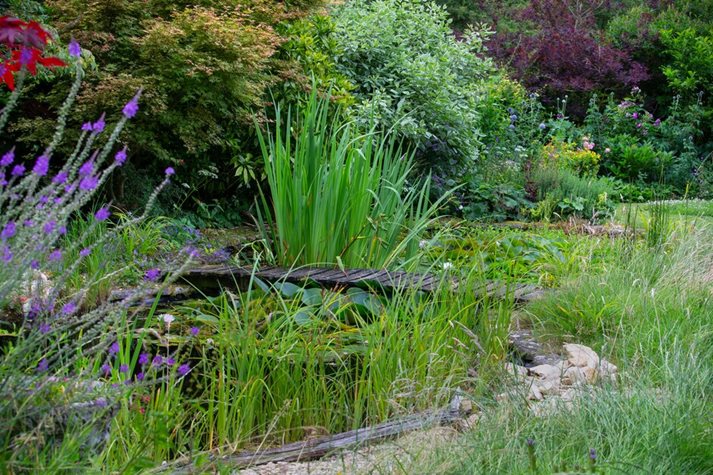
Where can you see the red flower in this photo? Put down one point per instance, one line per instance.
(25, 42)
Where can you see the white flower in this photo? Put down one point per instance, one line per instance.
(167, 318)
(423, 244)
(447, 265)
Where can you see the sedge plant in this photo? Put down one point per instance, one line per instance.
(339, 195)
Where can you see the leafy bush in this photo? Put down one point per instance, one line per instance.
(581, 160)
(495, 202)
(411, 75)
(563, 193)
(205, 65)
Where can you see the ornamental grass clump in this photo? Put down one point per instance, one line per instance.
(65, 362)
(340, 196)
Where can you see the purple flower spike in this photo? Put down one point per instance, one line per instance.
(183, 369)
(85, 252)
(170, 171)
(143, 358)
(74, 49)
(55, 255)
(87, 168)
(69, 308)
(62, 230)
(140, 376)
(42, 365)
(124, 368)
(60, 178)
(195, 331)
(106, 369)
(102, 214)
(8, 158)
(87, 126)
(170, 361)
(98, 126)
(6, 255)
(34, 264)
(44, 328)
(592, 454)
(17, 170)
(49, 227)
(132, 107)
(88, 183)
(157, 360)
(42, 165)
(8, 231)
(114, 348)
(152, 274)
(120, 157)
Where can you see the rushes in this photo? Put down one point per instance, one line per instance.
(339, 196)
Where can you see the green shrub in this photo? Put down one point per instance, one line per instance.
(563, 193)
(411, 74)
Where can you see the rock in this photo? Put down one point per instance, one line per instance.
(607, 370)
(516, 370)
(590, 374)
(581, 356)
(547, 372)
(534, 393)
(466, 406)
(549, 387)
(574, 376)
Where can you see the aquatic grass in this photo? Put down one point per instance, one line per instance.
(337, 195)
(278, 367)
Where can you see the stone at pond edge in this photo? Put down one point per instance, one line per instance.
(581, 356)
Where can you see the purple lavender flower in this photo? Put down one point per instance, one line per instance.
(17, 170)
(106, 369)
(43, 199)
(42, 365)
(87, 168)
(114, 348)
(69, 308)
(88, 183)
(98, 126)
(140, 376)
(8, 231)
(100, 402)
(6, 254)
(657, 122)
(87, 126)
(74, 49)
(42, 165)
(170, 361)
(120, 157)
(132, 107)
(34, 264)
(85, 252)
(55, 255)
(102, 214)
(3, 180)
(195, 331)
(8, 158)
(152, 274)
(60, 178)
(44, 328)
(183, 369)
(157, 360)
(28, 223)
(170, 171)
(592, 454)
(62, 230)
(635, 115)
(143, 358)
(49, 226)
(124, 368)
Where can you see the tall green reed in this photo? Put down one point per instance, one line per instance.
(339, 196)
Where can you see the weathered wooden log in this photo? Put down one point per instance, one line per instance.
(317, 448)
